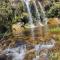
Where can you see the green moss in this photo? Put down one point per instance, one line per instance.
(55, 30)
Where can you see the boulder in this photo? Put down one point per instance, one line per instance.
(17, 29)
(53, 22)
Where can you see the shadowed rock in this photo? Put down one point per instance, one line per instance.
(3, 57)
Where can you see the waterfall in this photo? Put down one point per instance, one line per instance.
(37, 14)
(41, 51)
(31, 25)
(49, 45)
(45, 19)
(45, 47)
(27, 2)
(28, 9)
(16, 53)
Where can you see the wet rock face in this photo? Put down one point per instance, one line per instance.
(3, 57)
(19, 43)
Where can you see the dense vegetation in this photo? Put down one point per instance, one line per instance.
(13, 12)
(10, 14)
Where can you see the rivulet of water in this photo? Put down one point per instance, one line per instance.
(16, 53)
(45, 47)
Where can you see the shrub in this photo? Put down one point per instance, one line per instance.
(54, 11)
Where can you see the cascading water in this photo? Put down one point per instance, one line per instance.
(27, 2)
(20, 52)
(40, 47)
(37, 14)
(16, 53)
(45, 19)
(31, 25)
